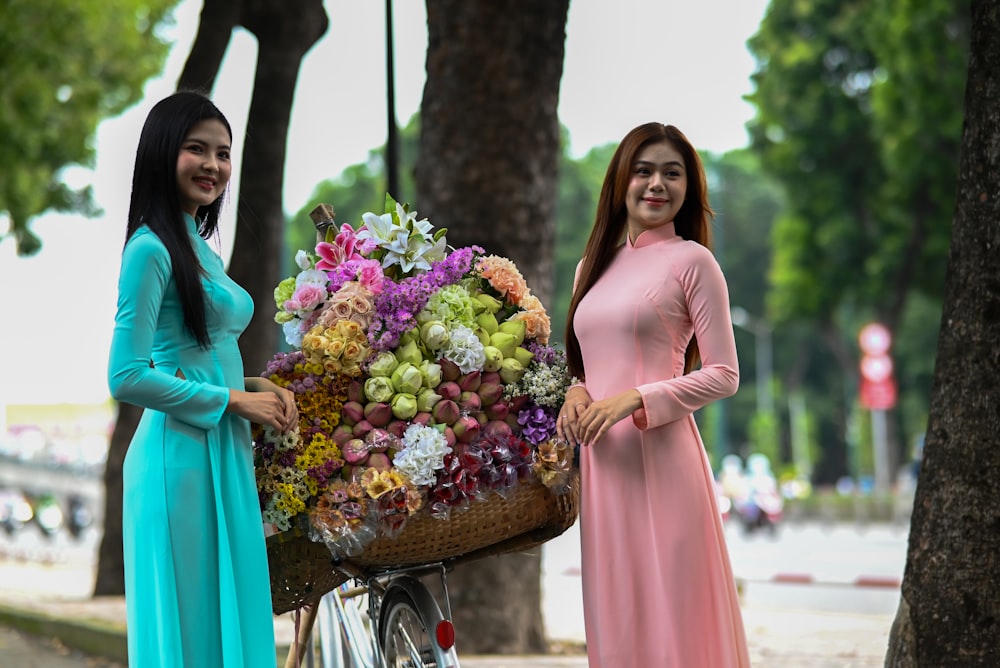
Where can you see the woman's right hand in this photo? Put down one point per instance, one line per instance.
(568, 421)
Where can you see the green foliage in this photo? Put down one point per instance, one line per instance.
(65, 66)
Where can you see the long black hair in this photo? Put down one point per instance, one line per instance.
(156, 203)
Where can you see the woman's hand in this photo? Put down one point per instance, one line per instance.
(598, 417)
(567, 423)
(266, 403)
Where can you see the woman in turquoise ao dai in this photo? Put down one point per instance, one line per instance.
(196, 578)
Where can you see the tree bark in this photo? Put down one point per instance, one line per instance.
(215, 28)
(487, 171)
(110, 578)
(950, 610)
(284, 37)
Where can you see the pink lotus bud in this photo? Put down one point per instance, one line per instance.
(449, 437)
(355, 452)
(446, 411)
(511, 420)
(496, 428)
(470, 381)
(377, 413)
(498, 411)
(379, 440)
(422, 418)
(449, 370)
(449, 390)
(466, 429)
(342, 434)
(470, 401)
(356, 391)
(490, 393)
(397, 428)
(490, 377)
(352, 412)
(362, 428)
(379, 461)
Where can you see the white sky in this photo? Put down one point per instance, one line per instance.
(627, 62)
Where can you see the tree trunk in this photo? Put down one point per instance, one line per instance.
(284, 36)
(950, 609)
(215, 27)
(487, 171)
(110, 578)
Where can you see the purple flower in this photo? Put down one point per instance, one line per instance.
(538, 423)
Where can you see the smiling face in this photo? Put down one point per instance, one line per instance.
(656, 188)
(203, 165)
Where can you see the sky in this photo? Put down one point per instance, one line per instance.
(627, 62)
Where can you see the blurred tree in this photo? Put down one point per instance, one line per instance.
(856, 118)
(489, 159)
(949, 612)
(65, 66)
(283, 39)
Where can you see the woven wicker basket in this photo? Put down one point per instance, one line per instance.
(302, 571)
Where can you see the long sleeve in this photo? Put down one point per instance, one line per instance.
(707, 301)
(142, 288)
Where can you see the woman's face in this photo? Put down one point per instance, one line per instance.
(656, 188)
(203, 165)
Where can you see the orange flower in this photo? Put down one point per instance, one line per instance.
(537, 324)
(504, 276)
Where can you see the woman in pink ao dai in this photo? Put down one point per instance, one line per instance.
(649, 303)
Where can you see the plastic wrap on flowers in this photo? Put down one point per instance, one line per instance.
(425, 385)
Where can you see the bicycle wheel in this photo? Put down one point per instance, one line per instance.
(408, 627)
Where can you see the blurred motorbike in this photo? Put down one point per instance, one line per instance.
(15, 511)
(761, 506)
(48, 515)
(78, 516)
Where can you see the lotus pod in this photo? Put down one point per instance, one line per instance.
(470, 382)
(378, 413)
(446, 411)
(490, 393)
(355, 452)
(352, 412)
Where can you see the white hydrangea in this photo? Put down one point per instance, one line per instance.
(465, 349)
(423, 453)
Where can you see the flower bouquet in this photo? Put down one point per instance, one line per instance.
(424, 382)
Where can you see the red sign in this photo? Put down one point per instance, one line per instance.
(878, 395)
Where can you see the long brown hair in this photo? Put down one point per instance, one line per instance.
(693, 221)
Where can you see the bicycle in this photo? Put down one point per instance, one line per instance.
(386, 619)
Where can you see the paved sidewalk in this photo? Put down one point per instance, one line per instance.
(52, 601)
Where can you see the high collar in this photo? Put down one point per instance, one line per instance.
(192, 224)
(649, 237)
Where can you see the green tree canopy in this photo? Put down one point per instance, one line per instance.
(65, 66)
